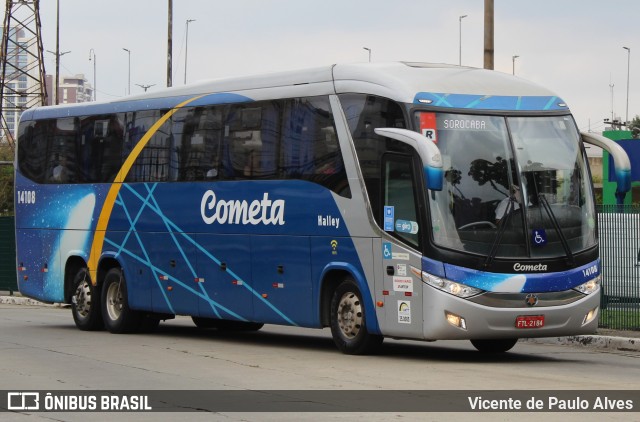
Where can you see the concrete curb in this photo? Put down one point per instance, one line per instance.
(615, 343)
(622, 344)
(20, 300)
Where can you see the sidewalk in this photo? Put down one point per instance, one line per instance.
(623, 341)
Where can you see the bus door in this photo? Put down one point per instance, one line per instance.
(281, 269)
(402, 288)
(224, 263)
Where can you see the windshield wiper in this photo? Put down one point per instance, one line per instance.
(556, 226)
(503, 228)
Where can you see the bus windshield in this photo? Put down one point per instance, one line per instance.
(515, 187)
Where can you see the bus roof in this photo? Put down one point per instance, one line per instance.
(437, 85)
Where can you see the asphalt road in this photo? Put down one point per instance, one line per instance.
(41, 349)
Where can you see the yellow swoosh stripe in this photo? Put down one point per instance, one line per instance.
(112, 195)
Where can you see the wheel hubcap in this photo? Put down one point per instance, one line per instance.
(82, 299)
(350, 315)
(114, 301)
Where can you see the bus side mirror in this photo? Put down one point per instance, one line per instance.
(621, 161)
(427, 150)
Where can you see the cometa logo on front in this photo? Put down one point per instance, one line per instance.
(243, 212)
(529, 267)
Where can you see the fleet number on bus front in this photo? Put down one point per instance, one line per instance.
(26, 197)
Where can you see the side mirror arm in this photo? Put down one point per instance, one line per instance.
(621, 161)
(427, 150)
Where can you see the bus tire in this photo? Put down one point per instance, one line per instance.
(494, 345)
(349, 323)
(85, 302)
(118, 317)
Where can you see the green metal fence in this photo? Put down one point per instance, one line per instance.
(619, 232)
(8, 255)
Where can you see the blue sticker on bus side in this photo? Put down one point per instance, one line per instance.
(389, 218)
(387, 251)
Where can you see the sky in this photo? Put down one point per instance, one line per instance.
(573, 47)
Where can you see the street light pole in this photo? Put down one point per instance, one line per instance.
(186, 47)
(92, 52)
(514, 64)
(369, 50)
(460, 26)
(129, 79)
(628, 69)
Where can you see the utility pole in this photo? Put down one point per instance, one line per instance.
(488, 34)
(57, 50)
(21, 58)
(169, 43)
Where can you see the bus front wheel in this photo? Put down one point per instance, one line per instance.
(349, 323)
(494, 346)
(85, 302)
(118, 317)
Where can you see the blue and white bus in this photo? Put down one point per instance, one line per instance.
(403, 200)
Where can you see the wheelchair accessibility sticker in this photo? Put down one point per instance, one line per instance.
(386, 251)
(539, 237)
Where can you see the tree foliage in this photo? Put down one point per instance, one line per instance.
(6, 182)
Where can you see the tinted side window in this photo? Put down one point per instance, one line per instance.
(32, 149)
(198, 133)
(152, 165)
(252, 141)
(310, 149)
(62, 156)
(100, 152)
(365, 113)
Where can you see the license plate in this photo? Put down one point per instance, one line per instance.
(533, 321)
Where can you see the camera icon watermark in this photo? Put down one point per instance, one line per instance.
(23, 400)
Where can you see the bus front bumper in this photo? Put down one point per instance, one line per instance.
(447, 317)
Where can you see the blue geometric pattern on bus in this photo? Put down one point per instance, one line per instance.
(148, 203)
(490, 102)
(523, 282)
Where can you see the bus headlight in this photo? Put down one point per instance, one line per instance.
(590, 286)
(451, 287)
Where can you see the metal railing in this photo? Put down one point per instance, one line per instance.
(619, 234)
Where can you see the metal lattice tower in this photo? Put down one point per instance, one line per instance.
(23, 76)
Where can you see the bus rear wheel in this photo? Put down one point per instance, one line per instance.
(118, 317)
(85, 302)
(494, 346)
(349, 323)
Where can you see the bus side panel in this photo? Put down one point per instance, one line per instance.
(39, 261)
(281, 268)
(224, 262)
(126, 249)
(174, 267)
(352, 256)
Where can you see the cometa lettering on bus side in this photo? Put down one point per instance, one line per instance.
(256, 212)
